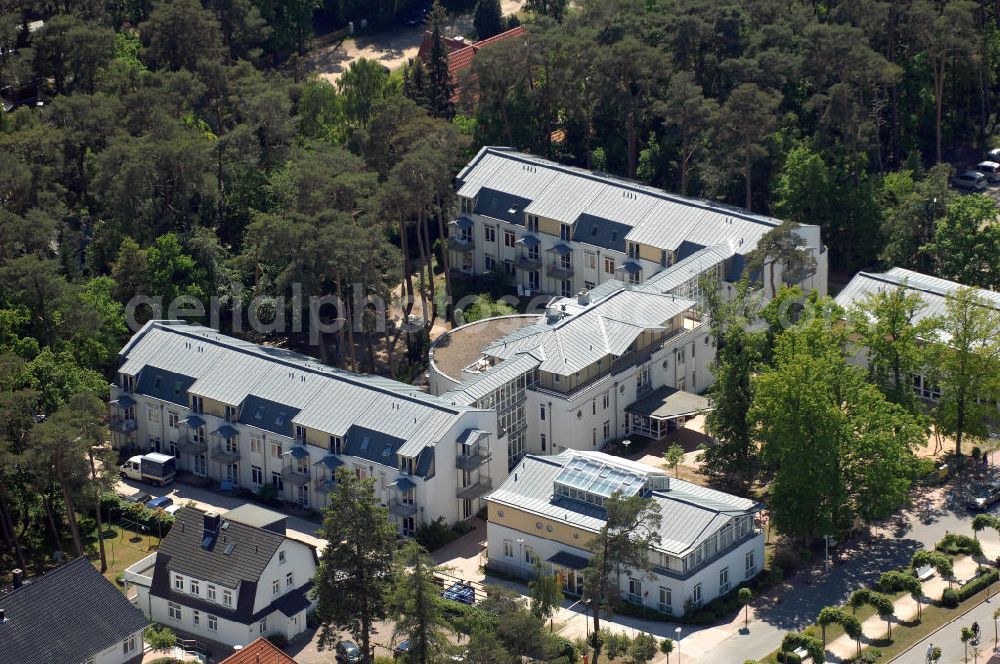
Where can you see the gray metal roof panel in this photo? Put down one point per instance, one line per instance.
(690, 513)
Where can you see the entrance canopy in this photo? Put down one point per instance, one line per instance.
(668, 403)
(568, 560)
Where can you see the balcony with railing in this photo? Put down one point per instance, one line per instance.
(188, 443)
(461, 243)
(527, 262)
(559, 270)
(292, 476)
(480, 487)
(221, 452)
(401, 508)
(121, 425)
(472, 460)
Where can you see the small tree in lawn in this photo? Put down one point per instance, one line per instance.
(745, 595)
(545, 593)
(673, 457)
(356, 571)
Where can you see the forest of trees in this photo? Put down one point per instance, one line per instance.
(180, 148)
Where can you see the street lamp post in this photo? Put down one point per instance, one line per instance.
(626, 443)
(678, 633)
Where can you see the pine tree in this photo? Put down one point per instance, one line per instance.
(439, 89)
(488, 19)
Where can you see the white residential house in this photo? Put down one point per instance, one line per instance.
(247, 416)
(933, 291)
(550, 507)
(558, 230)
(226, 578)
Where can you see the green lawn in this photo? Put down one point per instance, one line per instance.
(122, 547)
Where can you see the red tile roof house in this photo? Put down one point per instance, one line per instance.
(460, 54)
(260, 651)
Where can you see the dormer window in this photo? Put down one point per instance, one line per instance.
(197, 404)
(279, 420)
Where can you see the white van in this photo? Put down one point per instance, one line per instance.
(991, 170)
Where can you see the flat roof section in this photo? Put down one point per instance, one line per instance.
(667, 403)
(455, 350)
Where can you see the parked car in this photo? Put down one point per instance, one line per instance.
(990, 169)
(160, 503)
(401, 649)
(348, 653)
(984, 496)
(140, 498)
(994, 154)
(970, 180)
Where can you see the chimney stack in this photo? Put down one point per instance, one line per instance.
(583, 297)
(212, 522)
(18, 578)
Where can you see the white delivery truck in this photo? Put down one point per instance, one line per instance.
(157, 469)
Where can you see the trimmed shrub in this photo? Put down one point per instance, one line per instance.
(788, 658)
(954, 544)
(895, 581)
(949, 598)
(987, 575)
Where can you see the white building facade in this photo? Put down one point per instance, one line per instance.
(558, 229)
(550, 508)
(252, 416)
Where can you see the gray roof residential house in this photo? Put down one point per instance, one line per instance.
(227, 578)
(70, 615)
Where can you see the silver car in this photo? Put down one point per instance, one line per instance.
(971, 181)
(990, 169)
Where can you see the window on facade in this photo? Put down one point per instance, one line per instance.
(275, 587)
(195, 587)
(565, 230)
(281, 557)
(256, 444)
(256, 475)
(609, 265)
(199, 435)
(128, 645)
(665, 258)
(276, 481)
(153, 413)
(200, 465)
(230, 414)
(491, 262)
(635, 591)
(300, 433)
(490, 233)
(724, 581)
(590, 260)
(633, 250)
(509, 239)
(210, 592)
(666, 600)
(174, 611)
(542, 438)
(213, 623)
(532, 223)
(227, 598)
(179, 583)
(696, 594)
(172, 419)
(289, 580)
(197, 404)
(567, 288)
(607, 429)
(276, 450)
(750, 565)
(196, 618)
(508, 266)
(634, 277)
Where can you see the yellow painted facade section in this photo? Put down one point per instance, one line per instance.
(549, 226)
(212, 407)
(526, 522)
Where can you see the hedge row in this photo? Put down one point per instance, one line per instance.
(987, 576)
(154, 521)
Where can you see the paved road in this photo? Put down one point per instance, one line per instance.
(798, 605)
(947, 638)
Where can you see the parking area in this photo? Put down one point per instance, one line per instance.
(299, 528)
